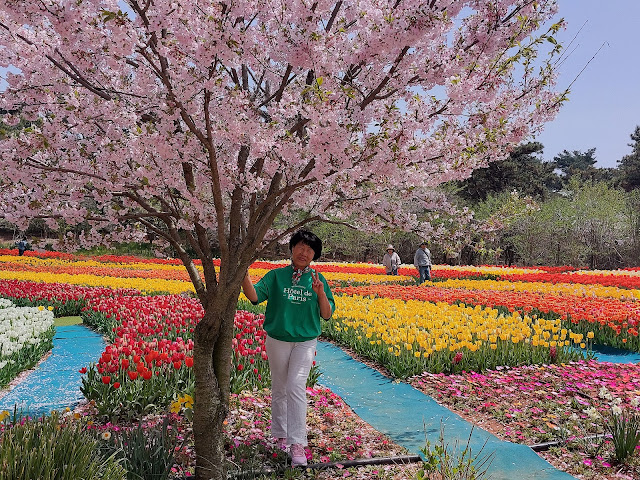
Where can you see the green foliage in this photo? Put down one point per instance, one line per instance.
(50, 449)
(451, 464)
(147, 453)
(145, 250)
(588, 225)
(575, 163)
(343, 243)
(247, 306)
(624, 429)
(628, 174)
(101, 323)
(314, 376)
(522, 171)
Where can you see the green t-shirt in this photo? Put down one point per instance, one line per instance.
(293, 313)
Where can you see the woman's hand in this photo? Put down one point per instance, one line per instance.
(323, 301)
(317, 284)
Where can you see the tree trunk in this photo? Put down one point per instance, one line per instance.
(212, 364)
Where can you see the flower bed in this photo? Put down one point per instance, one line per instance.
(567, 404)
(408, 337)
(406, 329)
(613, 322)
(26, 333)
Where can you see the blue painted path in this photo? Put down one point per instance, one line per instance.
(55, 383)
(615, 355)
(409, 417)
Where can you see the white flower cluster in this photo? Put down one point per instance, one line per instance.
(20, 327)
(614, 402)
(5, 303)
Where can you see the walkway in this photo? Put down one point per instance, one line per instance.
(408, 416)
(55, 383)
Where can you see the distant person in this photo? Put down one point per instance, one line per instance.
(22, 246)
(391, 261)
(422, 262)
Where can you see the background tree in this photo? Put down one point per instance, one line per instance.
(588, 226)
(575, 162)
(581, 166)
(628, 175)
(523, 171)
(204, 122)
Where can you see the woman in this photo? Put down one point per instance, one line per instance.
(297, 296)
(391, 261)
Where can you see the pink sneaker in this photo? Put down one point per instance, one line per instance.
(281, 443)
(298, 455)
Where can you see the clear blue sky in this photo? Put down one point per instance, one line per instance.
(604, 104)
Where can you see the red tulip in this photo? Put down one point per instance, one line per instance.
(188, 362)
(106, 379)
(83, 370)
(132, 374)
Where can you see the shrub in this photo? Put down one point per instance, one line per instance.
(624, 428)
(147, 452)
(450, 464)
(51, 449)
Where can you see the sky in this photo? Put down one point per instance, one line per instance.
(604, 103)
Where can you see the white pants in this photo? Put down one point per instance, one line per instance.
(289, 363)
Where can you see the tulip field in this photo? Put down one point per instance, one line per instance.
(478, 319)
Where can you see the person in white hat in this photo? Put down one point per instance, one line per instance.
(391, 261)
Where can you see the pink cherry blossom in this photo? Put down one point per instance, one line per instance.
(202, 122)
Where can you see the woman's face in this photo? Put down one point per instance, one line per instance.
(302, 255)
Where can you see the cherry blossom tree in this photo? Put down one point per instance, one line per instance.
(204, 122)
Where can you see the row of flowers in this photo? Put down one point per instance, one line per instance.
(573, 289)
(624, 278)
(150, 353)
(614, 322)
(412, 336)
(147, 278)
(25, 334)
(178, 282)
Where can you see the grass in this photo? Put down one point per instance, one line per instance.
(66, 321)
